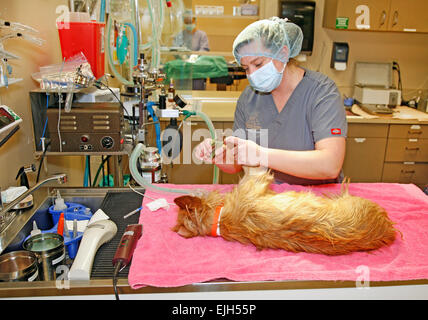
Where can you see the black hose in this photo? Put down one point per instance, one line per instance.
(10, 134)
(89, 169)
(99, 170)
(104, 174)
(115, 274)
(41, 160)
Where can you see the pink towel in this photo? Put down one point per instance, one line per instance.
(164, 259)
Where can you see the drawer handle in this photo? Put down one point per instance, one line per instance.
(415, 132)
(412, 149)
(395, 18)
(383, 18)
(407, 171)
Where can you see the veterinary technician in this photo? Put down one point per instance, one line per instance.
(301, 110)
(195, 40)
(190, 37)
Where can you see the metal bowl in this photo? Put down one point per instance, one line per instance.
(18, 266)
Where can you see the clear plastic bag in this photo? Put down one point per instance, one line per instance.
(74, 73)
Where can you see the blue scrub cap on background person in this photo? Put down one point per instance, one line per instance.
(266, 38)
(188, 13)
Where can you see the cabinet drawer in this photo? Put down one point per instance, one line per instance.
(364, 159)
(407, 150)
(416, 173)
(409, 131)
(365, 130)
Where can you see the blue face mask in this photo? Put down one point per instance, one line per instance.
(266, 79)
(190, 27)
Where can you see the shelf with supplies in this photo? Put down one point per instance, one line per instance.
(228, 16)
(87, 129)
(199, 53)
(118, 169)
(11, 81)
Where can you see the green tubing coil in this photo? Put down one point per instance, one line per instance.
(139, 148)
(136, 175)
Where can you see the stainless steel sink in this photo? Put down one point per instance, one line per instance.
(13, 235)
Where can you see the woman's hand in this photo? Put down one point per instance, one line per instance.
(204, 150)
(208, 152)
(223, 157)
(247, 152)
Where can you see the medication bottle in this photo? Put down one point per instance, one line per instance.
(171, 91)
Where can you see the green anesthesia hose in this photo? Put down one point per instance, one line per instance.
(110, 55)
(213, 136)
(139, 149)
(136, 175)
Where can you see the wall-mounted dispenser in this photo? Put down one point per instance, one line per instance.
(301, 13)
(339, 56)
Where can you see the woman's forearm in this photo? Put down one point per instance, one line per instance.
(312, 164)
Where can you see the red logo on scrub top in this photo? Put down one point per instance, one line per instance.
(336, 131)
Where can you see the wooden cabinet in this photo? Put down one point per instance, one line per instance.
(406, 172)
(407, 150)
(370, 14)
(376, 15)
(387, 153)
(408, 15)
(408, 131)
(365, 152)
(406, 159)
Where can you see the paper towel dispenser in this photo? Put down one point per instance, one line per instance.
(339, 56)
(301, 13)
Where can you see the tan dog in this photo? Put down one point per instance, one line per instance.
(293, 221)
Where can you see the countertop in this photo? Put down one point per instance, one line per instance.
(220, 106)
(64, 288)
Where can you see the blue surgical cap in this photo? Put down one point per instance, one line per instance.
(188, 13)
(267, 37)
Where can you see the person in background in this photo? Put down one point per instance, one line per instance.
(298, 110)
(191, 38)
(194, 40)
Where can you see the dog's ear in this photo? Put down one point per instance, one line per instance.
(182, 231)
(189, 202)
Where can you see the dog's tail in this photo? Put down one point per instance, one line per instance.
(344, 190)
